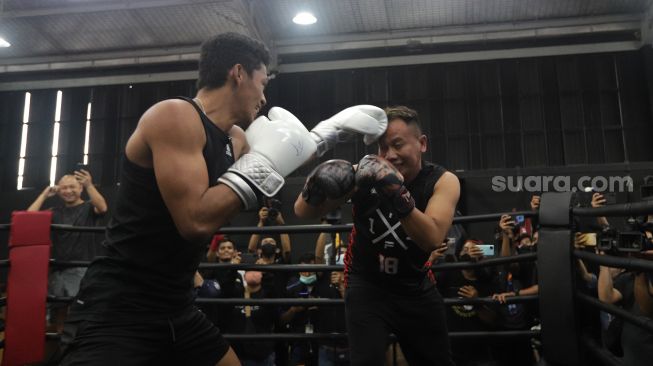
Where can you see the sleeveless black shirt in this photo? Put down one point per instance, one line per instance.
(149, 268)
(380, 251)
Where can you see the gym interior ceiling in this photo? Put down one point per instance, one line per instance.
(55, 36)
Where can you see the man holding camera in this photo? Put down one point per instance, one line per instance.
(267, 247)
(71, 246)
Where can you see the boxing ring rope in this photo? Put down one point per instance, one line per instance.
(554, 215)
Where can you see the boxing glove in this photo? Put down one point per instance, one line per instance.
(375, 172)
(367, 120)
(332, 179)
(277, 148)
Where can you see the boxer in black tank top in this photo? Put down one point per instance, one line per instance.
(402, 210)
(135, 306)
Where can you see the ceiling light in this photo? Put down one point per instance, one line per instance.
(304, 18)
(4, 43)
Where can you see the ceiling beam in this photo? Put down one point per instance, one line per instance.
(100, 7)
(458, 34)
(334, 65)
(460, 56)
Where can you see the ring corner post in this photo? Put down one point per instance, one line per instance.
(560, 329)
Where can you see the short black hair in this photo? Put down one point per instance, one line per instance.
(405, 114)
(307, 258)
(220, 53)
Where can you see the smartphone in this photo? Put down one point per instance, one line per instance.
(451, 246)
(610, 197)
(81, 166)
(519, 219)
(488, 249)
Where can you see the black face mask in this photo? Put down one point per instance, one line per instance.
(268, 250)
(526, 249)
(466, 258)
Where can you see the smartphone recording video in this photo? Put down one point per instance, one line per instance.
(488, 249)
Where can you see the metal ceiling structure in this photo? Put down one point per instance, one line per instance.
(56, 35)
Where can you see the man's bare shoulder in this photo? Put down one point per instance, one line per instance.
(172, 117)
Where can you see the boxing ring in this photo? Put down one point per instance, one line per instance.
(560, 335)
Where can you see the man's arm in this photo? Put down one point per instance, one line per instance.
(175, 137)
(607, 293)
(319, 248)
(644, 294)
(254, 239)
(285, 241)
(99, 204)
(44, 195)
(428, 229)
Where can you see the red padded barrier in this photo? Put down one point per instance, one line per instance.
(27, 286)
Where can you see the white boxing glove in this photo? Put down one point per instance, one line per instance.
(277, 148)
(367, 120)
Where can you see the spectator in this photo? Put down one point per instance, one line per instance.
(282, 254)
(253, 319)
(514, 279)
(301, 319)
(228, 282)
(469, 283)
(67, 245)
(636, 343)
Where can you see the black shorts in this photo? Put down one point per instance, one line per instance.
(187, 339)
(418, 321)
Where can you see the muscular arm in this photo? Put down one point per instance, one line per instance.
(427, 229)
(170, 132)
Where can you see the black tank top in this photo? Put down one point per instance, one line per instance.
(149, 268)
(380, 251)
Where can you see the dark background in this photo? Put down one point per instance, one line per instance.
(561, 115)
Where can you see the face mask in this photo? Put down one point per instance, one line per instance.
(308, 280)
(268, 250)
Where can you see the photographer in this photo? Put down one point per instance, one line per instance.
(271, 216)
(469, 283)
(324, 246)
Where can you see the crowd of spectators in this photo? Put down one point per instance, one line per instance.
(514, 235)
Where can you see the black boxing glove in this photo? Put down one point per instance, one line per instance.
(332, 179)
(374, 171)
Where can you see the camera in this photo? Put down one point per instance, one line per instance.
(274, 206)
(631, 240)
(334, 217)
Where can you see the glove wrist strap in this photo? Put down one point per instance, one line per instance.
(403, 202)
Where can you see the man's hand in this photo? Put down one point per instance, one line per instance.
(337, 278)
(49, 191)
(279, 219)
(535, 202)
(469, 292)
(507, 225)
(236, 259)
(375, 171)
(262, 215)
(83, 177)
(502, 296)
(437, 254)
(598, 200)
(474, 251)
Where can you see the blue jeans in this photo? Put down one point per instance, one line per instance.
(330, 356)
(267, 362)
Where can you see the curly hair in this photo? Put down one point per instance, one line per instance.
(220, 53)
